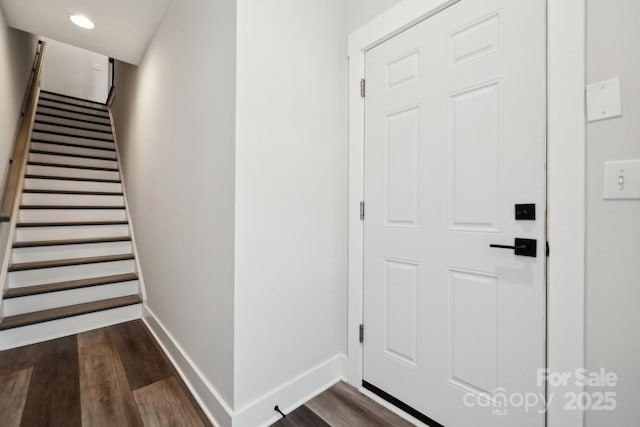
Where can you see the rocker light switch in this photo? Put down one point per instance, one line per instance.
(622, 180)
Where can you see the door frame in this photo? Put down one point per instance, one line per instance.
(566, 174)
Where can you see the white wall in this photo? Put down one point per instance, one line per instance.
(613, 227)
(72, 71)
(17, 53)
(360, 12)
(267, 280)
(175, 123)
(291, 192)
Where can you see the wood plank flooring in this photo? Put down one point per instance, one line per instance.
(115, 376)
(342, 406)
(119, 376)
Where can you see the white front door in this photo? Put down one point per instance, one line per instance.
(455, 138)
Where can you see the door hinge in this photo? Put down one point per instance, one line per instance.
(363, 88)
(361, 333)
(548, 249)
(361, 211)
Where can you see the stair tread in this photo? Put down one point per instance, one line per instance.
(39, 243)
(64, 125)
(72, 207)
(72, 192)
(26, 319)
(78, 156)
(48, 92)
(71, 135)
(73, 178)
(97, 108)
(70, 144)
(57, 116)
(68, 110)
(69, 285)
(36, 265)
(61, 165)
(69, 223)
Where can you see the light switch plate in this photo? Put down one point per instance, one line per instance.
(604, 100)
(622, 180)
(97, 66)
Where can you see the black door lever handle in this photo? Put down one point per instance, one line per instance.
(522, 247)
(508, 247)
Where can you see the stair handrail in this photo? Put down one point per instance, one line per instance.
(112, 82)
(19, 157)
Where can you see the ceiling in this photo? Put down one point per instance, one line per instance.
(123, 27)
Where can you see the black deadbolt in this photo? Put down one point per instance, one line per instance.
(526, 212)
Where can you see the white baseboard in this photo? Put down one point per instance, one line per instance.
(211, 402)
(292, 394)
(288, 396)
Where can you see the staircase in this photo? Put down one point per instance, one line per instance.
(72, 266)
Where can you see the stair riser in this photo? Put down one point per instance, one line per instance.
(71, 140)
(50, 253)
(62, 185)
(70, 122)
(70, 115)
(71, 215)
(29, 304)
(71, 200)
(41, 276)
(109, 155)
(41, 127)
(40, 332)
(72, 161)
(72, 173)
(74, 108)
(78, 102)
(36, 234)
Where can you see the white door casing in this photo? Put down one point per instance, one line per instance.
(455, 136)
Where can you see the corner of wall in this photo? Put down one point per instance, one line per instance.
(292, 394)
(211, 402)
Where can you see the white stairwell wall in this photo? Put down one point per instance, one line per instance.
(17, 51)
(175, 122)
(77, 72)
(277, 331)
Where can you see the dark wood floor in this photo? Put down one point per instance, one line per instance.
(119, 376)
(342, 406)
(116, 376)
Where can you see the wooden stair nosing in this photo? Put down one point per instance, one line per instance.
(39, 265)
(100, 116)
(77, 156)
(62, 125)
(73, 178)
(48, 288)
(48, 92)
(70, 144)
(72, 104)
(62, 165)
(74, 192)
(27, 319)
(69, 224)
(73, 119)
(71, 135)
(44, 243)
(71, 207)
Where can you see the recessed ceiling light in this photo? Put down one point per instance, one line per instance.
(82, 21)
